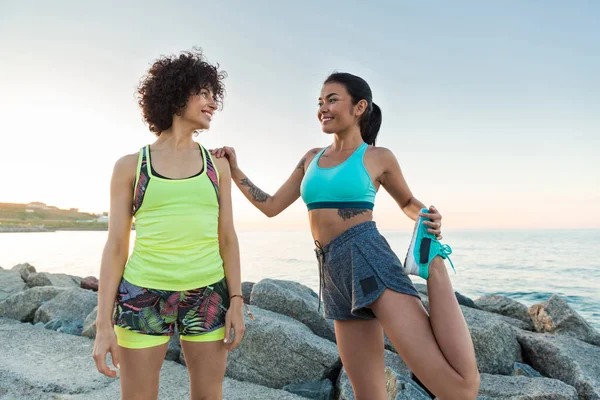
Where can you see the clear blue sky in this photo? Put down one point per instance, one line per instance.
(492, 108)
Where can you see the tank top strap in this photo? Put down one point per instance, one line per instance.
(141, 180)
(361, 150)
(211, 170)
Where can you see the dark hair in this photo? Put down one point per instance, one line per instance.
(359, 90)
(170, 81)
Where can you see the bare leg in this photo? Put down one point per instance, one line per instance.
(206, 362)
(140, 372)
(447, 366)
(360, 343)
(447, 321)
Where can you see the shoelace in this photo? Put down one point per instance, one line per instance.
(445, 251)
(320, 258)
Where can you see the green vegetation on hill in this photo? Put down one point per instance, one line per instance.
(39, 216)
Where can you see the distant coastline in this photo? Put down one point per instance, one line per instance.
(40, 217)
(41, 228)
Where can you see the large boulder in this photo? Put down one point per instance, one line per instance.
(174, 352)
(495, 342)
(278, 350)
(38, 361)
(465, 301)
(522, 388)
(570, 360)
(89, 324)
(505, 306)
(23, 305)
(175, 384)
(520, 369)
(71, 305)
(400, 387)
(247, 291)
(557, 317)
(315, 390)
(392, 361)
(48, 279)
(89, 283)
(10, 283)
(294, 300)
(24, 269)
(66, 371)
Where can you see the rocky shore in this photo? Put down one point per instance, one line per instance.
(546, 351)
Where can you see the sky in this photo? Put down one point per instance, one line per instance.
(492, 108)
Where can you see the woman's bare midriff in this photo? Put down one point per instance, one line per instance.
(326, 224)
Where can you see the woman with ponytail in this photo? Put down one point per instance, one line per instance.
(364, 286)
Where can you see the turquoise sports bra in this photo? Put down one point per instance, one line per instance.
(347, 185)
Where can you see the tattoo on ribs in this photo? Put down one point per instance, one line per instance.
(257, 194)
(347, 213)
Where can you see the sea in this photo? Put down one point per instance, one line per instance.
(526, 265)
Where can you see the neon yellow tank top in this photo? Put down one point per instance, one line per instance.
(176, 221)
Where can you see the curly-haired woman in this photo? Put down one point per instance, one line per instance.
(184, 271)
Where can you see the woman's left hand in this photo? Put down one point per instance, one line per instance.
(435, 225)
(235, 319)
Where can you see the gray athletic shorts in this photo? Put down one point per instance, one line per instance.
(356, 267)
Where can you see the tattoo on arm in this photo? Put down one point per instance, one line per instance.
(301, 163)
(347, 213)
(257, 194)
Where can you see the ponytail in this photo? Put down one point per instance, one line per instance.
(359, 89)
(369, 125)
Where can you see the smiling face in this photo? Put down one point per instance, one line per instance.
(200, 109)
(337, 112)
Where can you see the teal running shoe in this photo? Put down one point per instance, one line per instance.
(423, 248)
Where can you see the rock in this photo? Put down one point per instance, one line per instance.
(247, 291)
(516, 322)
(89, 324)
(71, 305)
(462, 300)
(523, 388)
(421, 288)
(66, 371)
(396, 364)
(235, 390)
(505, 306)
(23, 305)
(89, 283)
(294, 300)
(75, 278)
(569, 360)
(555, 316)
(344, 387)
(10, 283)
(465, 301)
(174, 349)
(402, 388)
(387, 344)
(40, 360)
(174, 384)
(496, 346)
(65, 326)
(48, 279)
(24, 269)
(520, 369)
(393, 362)
(278, 350)
(315, 390)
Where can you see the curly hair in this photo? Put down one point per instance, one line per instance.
(165, 89)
